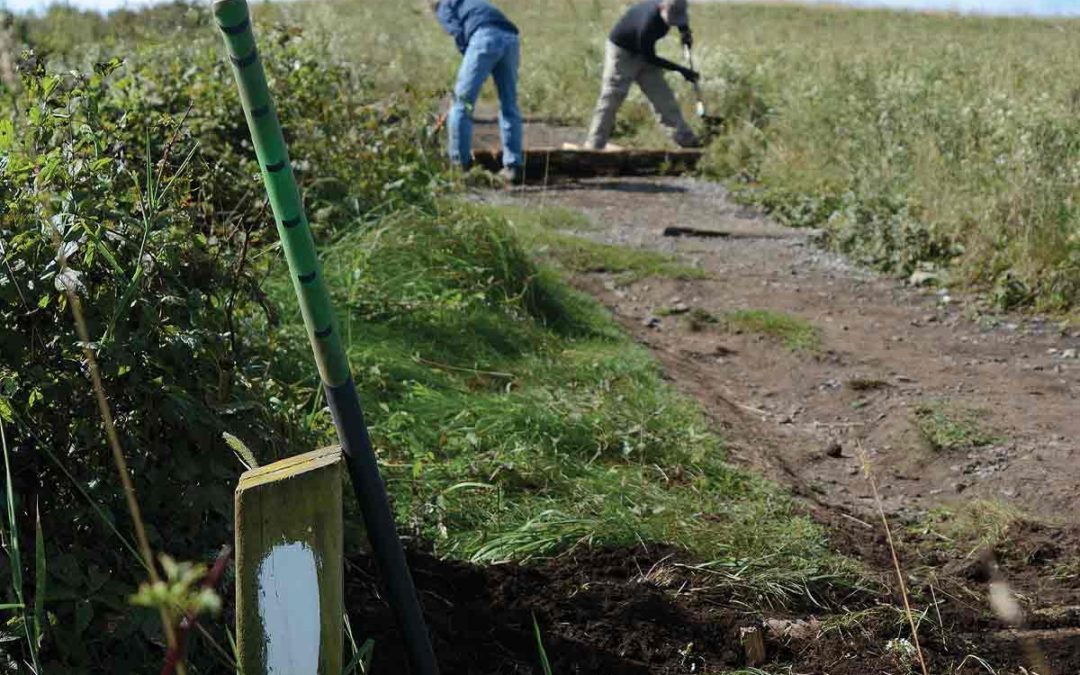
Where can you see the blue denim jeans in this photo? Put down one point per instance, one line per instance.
(491, 52)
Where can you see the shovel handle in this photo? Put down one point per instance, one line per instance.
(700, 109)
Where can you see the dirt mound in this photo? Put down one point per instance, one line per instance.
(599, 611)
(637, 611)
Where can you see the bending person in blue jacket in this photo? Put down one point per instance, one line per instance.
(491, 47)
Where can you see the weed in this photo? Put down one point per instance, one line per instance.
(516, 421)
(545, 665)
(863, 621)
(970, 526)
(949, 428)
(585, 256)
(699, 319)
(798, 335)
(860, 384)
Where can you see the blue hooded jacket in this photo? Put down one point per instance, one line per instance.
(461, 18)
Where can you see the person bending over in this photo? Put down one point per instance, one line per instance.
(490, 47)
(630, 56)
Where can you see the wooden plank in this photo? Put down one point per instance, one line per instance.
(542, 163)
(289, 566)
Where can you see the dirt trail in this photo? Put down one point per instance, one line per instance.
(890, 356)
(895, 364)
(896, 369)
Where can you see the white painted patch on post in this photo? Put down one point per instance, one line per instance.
(289, 609)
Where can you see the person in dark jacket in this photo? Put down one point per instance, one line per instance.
(630, 56)
(490, 46)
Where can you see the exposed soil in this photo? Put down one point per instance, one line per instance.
(632, 612)
(806, 419)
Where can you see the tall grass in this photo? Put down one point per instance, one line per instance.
(910, 138)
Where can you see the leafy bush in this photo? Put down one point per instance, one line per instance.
(143, 175)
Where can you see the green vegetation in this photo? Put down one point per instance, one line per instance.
(517, 420)
(950, 428)
(970, 526)
(545, 232)
(512, 418)
(908, 138)
(796, 334)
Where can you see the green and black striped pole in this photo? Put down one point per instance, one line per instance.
(234, 20)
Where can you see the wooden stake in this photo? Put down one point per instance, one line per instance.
(289, 566)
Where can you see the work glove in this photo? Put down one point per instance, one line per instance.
(692, 76)
(687, 37)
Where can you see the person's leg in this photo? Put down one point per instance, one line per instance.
(480, 57)
(666, 106)
(510, 124)
(620, 69)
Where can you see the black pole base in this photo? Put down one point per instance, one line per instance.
(379, 519)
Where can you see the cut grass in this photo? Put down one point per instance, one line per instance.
(584, 256)
(950, 428)
(515, 421)
(971, 526)
(798, 335)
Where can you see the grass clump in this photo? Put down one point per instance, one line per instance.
(949, 428)
(798, 335)
(546, 233)
(970, 527)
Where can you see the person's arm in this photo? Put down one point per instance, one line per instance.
(648, 51)
(451, 23)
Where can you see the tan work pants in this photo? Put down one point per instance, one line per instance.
(621, 69)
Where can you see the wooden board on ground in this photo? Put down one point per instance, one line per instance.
(542, 164)
(289, 566)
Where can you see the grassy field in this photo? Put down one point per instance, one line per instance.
(913, 139)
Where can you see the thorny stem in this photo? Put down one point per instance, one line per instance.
(175, 658)
(114, 440)
(868, 471)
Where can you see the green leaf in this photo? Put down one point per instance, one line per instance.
(7, 135)
(106, 68)
(40, 581)
(544, 663)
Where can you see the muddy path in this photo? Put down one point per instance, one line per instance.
(948, 407)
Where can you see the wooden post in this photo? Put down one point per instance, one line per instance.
(290, 567)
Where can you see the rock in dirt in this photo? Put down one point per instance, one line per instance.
(793, 629)
(651, 322)
(834, 449)
(923, 278)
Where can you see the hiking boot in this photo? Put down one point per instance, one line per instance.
(514, 175)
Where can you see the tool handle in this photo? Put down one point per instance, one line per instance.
(700, 108)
